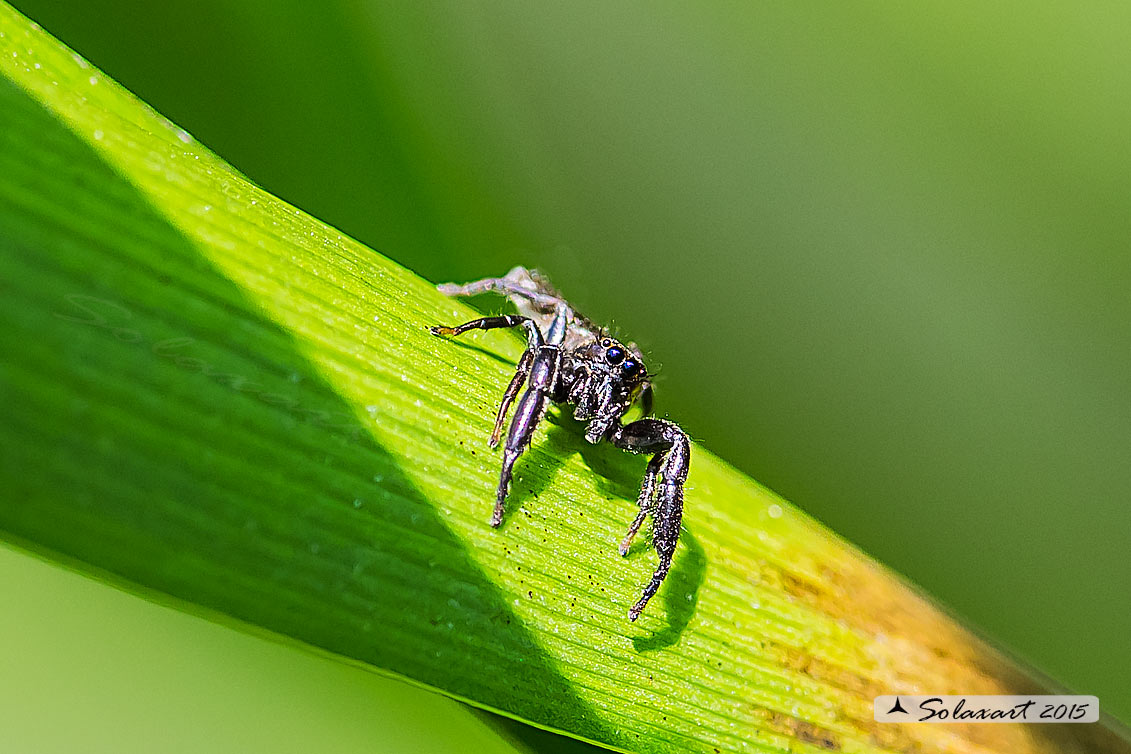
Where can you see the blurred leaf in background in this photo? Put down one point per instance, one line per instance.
(113, 673)
(880, 250)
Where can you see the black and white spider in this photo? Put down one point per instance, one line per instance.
(570, 360)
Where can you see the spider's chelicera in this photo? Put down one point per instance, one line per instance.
(570, 360)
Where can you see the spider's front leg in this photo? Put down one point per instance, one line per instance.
(545, 368)
(662, 491)
(521, 371)
(483, 323)
(542, 369)
(541, 364)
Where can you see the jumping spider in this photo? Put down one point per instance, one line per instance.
(568, 359)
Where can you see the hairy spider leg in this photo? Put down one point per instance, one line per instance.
(510, 284)
(672, 446)
(523, 368)
(554, 337)
(646, 501)
(540, 364)
(545, 369)
(483, 323)
(526, 364)
(522, 371)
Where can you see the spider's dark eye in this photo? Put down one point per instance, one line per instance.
(606, 343)
(614, 355)
(630, 366)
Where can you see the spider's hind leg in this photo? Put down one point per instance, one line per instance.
(519, 282)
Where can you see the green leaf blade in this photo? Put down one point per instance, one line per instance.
(218, 398)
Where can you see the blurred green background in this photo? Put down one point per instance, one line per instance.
(880, 250)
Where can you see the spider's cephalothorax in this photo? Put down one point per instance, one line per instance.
(570, 360)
